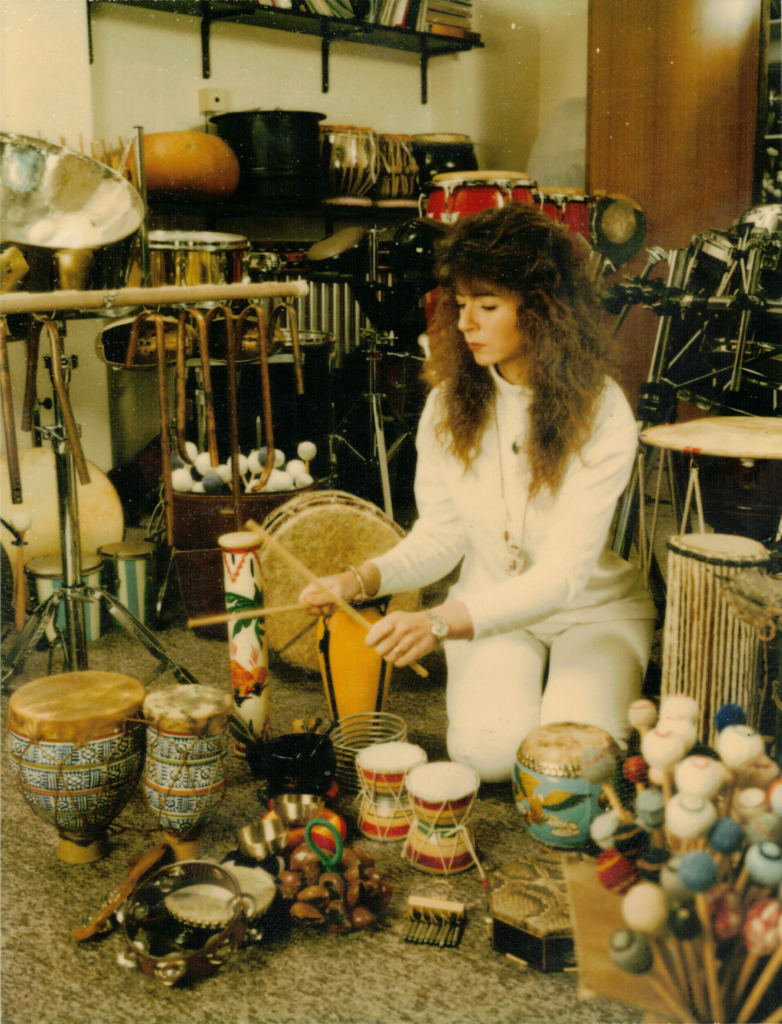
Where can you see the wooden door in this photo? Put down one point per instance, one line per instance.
(671, 122)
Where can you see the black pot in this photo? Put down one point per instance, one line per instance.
(278, 152)
(300, 762)
(440, 153)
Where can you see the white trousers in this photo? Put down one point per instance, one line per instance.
(501, 688)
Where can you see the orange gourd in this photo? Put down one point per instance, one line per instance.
(195, 165)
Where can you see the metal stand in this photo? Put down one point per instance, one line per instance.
(377, 402)
(73, 594)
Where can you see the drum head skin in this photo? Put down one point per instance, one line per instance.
(101, 520)
(618, 228)
(326, 530)
(732, 437)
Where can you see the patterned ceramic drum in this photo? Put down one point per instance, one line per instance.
(76, 742)
(184, 774)
(556, 803)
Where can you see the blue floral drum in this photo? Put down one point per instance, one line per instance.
(184, 774)
(76, 742)
(557, 805)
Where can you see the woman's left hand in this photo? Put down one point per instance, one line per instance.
(402, 637)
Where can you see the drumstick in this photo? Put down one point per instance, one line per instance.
(340, 602)
(251, 613)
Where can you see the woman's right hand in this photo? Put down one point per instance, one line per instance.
(316, 601)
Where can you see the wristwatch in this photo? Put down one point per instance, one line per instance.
(440, 629)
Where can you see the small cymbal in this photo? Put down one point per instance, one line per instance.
(336, 244)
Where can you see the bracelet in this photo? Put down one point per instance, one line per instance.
(362, 594)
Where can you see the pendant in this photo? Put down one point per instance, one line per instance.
(515, 563)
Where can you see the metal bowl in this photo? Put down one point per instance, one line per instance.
(264, 838)
(75, 220)
(296, 809)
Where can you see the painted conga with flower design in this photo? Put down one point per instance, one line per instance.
(246, 637)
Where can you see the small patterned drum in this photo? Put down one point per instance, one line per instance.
(383, 767)
(77, 749)
(568, 206)
(709, 653)
(443, 795)
(128, 568)
(349, 158)
(443, 792)
(326, 530)
(46, 572)
(184, 774)
(460, 194)
(556, 803)
(386, 811)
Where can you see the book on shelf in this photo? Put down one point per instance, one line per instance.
(435, 28)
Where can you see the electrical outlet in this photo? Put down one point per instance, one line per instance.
(212, 100)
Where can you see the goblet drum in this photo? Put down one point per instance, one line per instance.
(386, 811)
(77, 749)
(556, 802)
(184, 774)
(443, 795)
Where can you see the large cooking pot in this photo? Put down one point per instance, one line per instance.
(278, 152)
(440, 152)
(74, 220)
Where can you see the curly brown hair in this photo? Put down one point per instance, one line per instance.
(518, 250)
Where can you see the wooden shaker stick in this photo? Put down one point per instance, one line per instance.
(21, 522)
(251, 613)
(308, 574)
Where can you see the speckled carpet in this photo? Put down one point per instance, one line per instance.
(292, 976)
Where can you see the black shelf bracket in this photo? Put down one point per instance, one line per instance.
(325, 46)
(207, 17)
(424, 60)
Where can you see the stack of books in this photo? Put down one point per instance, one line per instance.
(445, 18)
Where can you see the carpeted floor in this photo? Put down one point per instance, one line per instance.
(292, 976)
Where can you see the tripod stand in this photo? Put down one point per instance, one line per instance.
(73, 595)
(376, 401)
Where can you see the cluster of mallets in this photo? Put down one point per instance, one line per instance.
(698, 862)
(201, 477)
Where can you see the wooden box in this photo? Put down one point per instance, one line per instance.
(530, 911)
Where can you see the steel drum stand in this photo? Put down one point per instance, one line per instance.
(377, 401)
(73, 595)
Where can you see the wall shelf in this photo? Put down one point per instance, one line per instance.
(329, 30)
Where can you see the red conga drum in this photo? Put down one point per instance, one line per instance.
(568, 206)
(462, 193)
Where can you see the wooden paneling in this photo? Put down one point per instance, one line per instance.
(671, 122)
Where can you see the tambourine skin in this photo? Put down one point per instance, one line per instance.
(326, 530)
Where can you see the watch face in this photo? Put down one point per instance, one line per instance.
(439, 628)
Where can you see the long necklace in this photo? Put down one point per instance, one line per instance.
(516, 559)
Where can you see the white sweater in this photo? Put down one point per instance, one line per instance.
(573, 576)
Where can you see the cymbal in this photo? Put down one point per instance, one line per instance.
(336, 244)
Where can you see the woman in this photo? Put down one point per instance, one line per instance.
(524, 446)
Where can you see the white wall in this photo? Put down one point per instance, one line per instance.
(147, 71)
